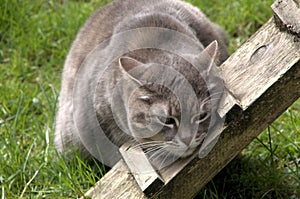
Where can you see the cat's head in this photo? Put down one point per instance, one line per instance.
(171, 117)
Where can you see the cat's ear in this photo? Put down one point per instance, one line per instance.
(126, 64)
(213, 50)
(211, 55)
(209, 60)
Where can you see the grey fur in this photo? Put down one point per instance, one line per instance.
(118, 16)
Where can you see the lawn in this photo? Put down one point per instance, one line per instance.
(35, 37)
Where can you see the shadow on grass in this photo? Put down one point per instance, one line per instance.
(246, 178)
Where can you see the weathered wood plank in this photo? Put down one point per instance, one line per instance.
(259, 63)
(287, 13)
(117, 183)
(148, 179)
(264, 77)
(140, 167)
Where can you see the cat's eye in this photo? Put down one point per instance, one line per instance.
(200, 117)
(168, 121)
(145, 98)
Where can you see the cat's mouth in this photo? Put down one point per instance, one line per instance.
(163, 153)
(169, 147)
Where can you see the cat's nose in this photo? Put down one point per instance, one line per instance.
(186, 140)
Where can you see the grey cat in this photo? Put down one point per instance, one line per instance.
(147, 113)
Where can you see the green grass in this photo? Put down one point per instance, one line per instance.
(35, 37)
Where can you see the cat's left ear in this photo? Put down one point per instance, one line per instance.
(211, 55)
(126, 64)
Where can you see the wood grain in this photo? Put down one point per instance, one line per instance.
(287, 14)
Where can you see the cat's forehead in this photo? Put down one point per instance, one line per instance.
(157, 90)
(184, 89)
(173, 101)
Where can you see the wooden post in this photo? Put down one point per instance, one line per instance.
(262, 78)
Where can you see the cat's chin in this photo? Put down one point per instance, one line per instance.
(188, 152)
(181, 152)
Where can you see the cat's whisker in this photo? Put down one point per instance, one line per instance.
(145, 144)
(152, 146)
(156, 160)
(210, 97)
(174, 157)
(125, 138)
(165, 158)
(160, 151)
(209, 100)
(216, 98)
(216, 93)
(151, 149)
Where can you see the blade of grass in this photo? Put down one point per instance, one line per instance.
(31, 179)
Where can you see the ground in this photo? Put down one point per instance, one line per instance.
(35, 37)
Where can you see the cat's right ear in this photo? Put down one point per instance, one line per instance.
(126, 64)
(211, 53)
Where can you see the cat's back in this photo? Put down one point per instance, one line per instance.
(100, 26)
